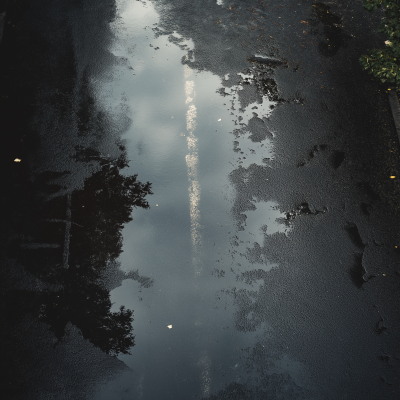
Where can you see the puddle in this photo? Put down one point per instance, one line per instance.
(266, 219)
(180, 139)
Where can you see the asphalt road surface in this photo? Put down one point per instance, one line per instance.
(200, 200)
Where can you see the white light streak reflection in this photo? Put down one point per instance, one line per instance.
(192, 160)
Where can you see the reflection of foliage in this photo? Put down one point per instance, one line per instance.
(72, 242)
(102, 208)
(87, 306)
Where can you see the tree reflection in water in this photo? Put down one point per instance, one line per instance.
(74, 243)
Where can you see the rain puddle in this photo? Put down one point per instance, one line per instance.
(181, 138)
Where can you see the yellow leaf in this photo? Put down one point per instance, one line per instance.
(392, 177)
(17, 160)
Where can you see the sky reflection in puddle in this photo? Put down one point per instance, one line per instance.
(180, 139)
(264, 220)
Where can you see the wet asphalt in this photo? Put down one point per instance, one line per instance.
(197, 202)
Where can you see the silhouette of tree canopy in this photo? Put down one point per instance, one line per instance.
(103, 207)
(84, 229)
(87, 305)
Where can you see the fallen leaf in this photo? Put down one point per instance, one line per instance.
(17, 160)
(392, 177)
(169, 326)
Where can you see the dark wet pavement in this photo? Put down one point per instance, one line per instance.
(202, 206)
